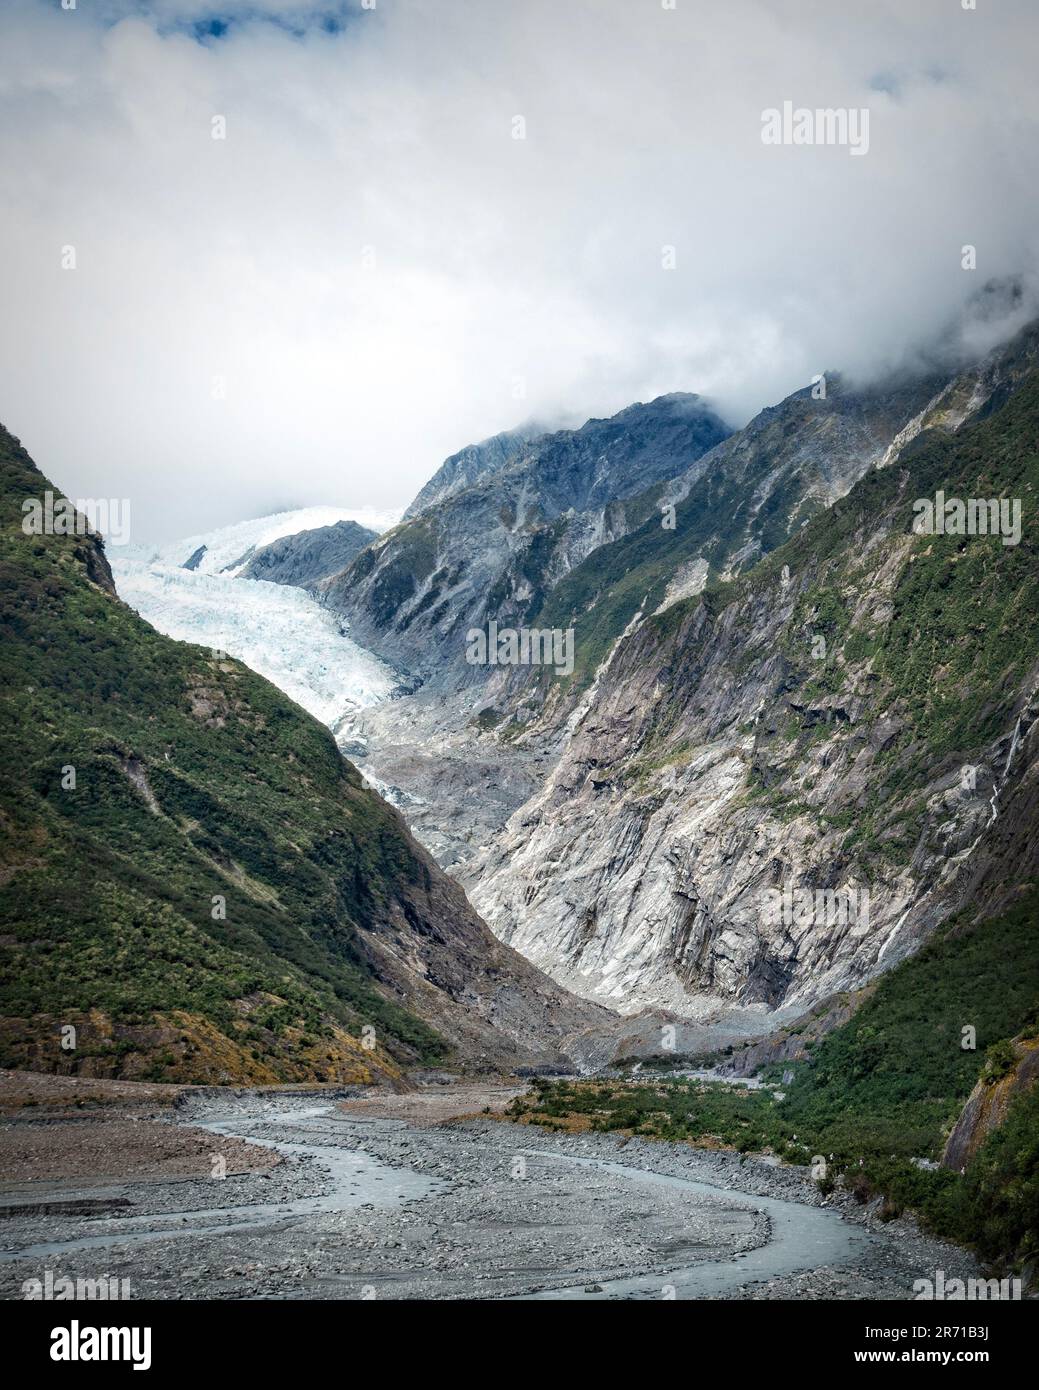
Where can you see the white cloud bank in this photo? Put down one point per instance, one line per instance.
(373, 266)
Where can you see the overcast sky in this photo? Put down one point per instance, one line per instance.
(375, 272)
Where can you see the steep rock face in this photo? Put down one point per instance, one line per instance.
(493, 549)
(471, 758)
(310, 557)
(724, 752)
(196, 880)
(463, 469)
(745, 498)
(987, 1106)
(450, 773)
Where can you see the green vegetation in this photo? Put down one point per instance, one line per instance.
(880, 1090)
(413, 560)
(195, 780)
(1001, 1189)
(960, 639)
(932, 635)
(894, 1077)
(604, 592)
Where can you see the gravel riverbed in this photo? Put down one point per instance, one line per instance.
(357, 1197)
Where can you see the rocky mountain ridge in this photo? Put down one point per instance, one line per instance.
(459, 763)
(717, 758)
(464, 468)
(493, 549)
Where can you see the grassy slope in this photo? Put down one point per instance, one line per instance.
(106, 917)
(961, 635)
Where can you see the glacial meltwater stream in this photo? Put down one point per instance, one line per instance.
(801, 1237)
(356, 1179)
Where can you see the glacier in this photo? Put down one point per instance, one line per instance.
(279, 631)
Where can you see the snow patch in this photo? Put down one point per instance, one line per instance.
(228, 548)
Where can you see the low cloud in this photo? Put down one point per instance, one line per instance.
(370, 271)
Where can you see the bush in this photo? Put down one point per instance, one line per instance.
(1000, 1060)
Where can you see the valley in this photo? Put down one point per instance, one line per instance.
(519, 677)
(755, 819)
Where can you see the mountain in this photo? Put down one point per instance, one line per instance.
(854, 714)
(477, 743)
(463, 469)
(195, 881)
(308, 557)
(748, 495)
(494, 548)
